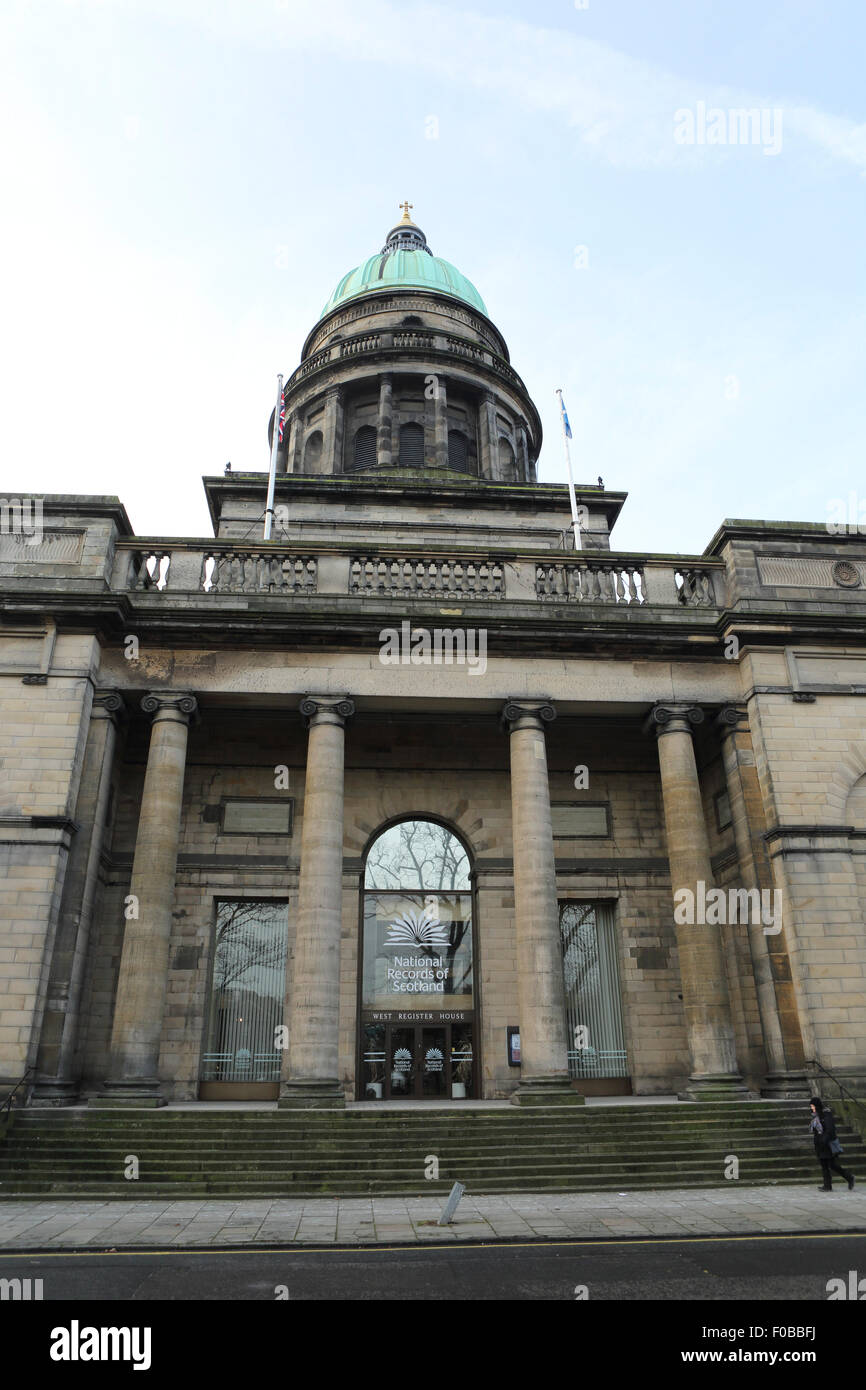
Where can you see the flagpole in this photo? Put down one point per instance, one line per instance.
(572, 498)
(272, 473)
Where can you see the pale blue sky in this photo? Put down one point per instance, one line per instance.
(185, 182)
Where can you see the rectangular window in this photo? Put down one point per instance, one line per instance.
(596, 1040)
(723, 810)
(248, 990)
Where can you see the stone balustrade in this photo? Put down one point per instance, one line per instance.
(230, 571)
(596, 581)
(596, 577)
(401, 341)
(413, 578)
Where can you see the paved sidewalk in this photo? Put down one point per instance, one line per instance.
(66, 1223)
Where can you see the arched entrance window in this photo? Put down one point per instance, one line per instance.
(417, 1030)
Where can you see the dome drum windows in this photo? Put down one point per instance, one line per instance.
(458, 451)
(363, 449)
(313, 452)
(411, 446)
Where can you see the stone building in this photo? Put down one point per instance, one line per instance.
(416, 799)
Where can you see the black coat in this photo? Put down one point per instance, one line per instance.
(822, 1141)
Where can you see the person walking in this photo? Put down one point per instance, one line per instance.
(827, 1146)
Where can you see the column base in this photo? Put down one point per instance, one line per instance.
(786, 1085)
(128, 1094)
(547, 1090)
(52, 1093)
(311, 1095)
(715, 1088)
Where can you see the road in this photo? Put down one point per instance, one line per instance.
(757, 1268)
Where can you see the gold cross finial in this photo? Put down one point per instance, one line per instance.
(406, 206)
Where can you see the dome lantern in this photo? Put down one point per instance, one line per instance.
(405, 261)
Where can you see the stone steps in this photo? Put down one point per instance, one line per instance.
(303, 1154)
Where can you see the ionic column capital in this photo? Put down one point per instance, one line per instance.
(326, 709)
(107, 704)
(673, 719)
(169, 705)
(730, 718)
(527, 714)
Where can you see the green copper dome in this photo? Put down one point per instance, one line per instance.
(405, 262)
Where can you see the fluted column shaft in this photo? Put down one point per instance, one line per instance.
(702, 965)
(543, 1038)
(314, 1016)
(141, 985)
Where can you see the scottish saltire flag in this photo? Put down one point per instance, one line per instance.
(282, 413)
(565, 418)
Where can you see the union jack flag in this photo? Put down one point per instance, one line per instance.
(282, 413)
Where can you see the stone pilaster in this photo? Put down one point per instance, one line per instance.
(311, 1078)
(57, 1081)
(544, 1078)
(141, 986)
(777, 1006)
(702, 965)
(384, 423)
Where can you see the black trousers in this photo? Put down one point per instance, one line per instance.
(829, 1161)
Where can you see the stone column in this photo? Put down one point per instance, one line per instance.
(544, 1078)
(286, 454)
(332, 441)
(440, 423)
(777, 1005)
(312, 1079)
(57, 1081)
(384, 423)
(141, 985)
(489, 440)
(523, 456)
(706, 1004)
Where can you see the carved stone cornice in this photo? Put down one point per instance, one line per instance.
(673, 719)
(527, 714)
(326, 709)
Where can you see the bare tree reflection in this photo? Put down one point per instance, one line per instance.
(418, 854)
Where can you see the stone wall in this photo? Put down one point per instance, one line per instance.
(811, 755)
(43, 730)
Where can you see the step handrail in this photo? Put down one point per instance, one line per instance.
(6, 1106)
(843, 1090)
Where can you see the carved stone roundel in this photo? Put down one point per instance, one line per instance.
(846, 574)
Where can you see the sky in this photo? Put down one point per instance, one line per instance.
(185, 181)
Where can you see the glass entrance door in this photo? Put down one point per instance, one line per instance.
(434, 1064)
(417, 1061)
